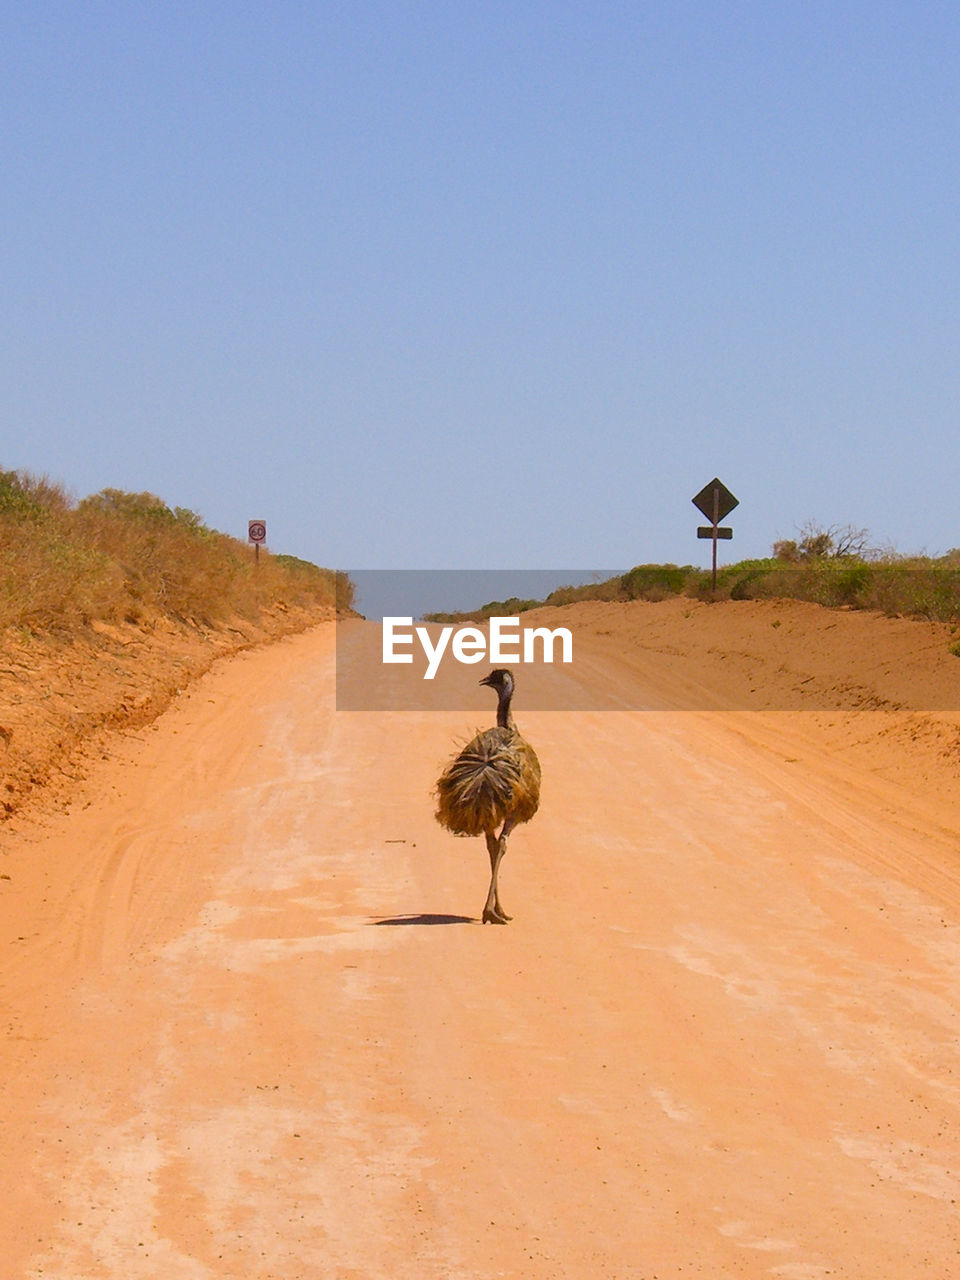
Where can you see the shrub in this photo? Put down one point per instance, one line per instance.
(655, 581)
(119, 555)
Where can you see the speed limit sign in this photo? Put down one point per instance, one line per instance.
(257, 531)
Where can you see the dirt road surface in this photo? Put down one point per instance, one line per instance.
(254, 1030)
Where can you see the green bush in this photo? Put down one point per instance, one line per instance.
(655, 581)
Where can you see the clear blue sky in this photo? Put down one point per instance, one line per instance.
(487, 285)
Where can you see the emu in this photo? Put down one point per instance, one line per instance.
(493, 782)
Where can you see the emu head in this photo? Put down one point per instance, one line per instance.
(500, 679)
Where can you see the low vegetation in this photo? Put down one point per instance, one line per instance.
(834, 566)
(128, 557)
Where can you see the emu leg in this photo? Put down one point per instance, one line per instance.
(493, 913)
(502, 842)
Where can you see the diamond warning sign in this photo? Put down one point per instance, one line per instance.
(715, 501)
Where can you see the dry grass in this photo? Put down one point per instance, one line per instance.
(128, 557)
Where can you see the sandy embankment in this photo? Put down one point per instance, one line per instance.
(61, 695)
(837, 666)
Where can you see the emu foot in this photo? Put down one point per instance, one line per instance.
(492, 916)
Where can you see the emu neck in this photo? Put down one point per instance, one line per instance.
(504, 715)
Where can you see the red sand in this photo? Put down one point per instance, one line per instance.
(251, 1035)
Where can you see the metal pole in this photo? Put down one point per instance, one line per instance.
(716, 521)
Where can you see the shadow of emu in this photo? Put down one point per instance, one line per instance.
(424, 917)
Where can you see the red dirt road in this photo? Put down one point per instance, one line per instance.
(256, 1033)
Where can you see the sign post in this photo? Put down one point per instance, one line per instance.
(716, 502)
(257, 533)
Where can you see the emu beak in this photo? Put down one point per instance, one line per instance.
(485, 680)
